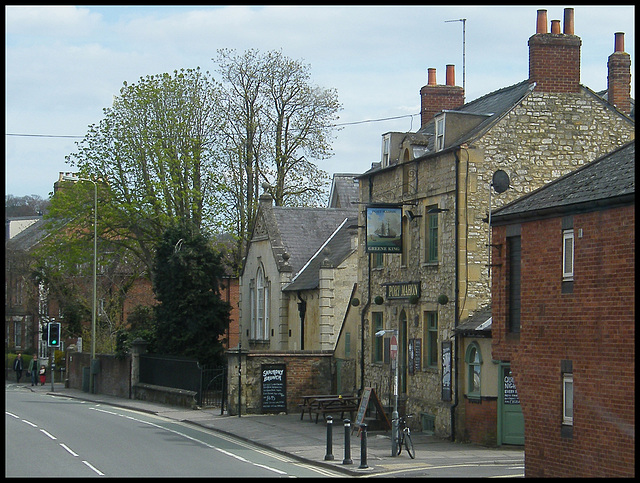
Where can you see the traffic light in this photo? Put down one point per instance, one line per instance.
(54, 334)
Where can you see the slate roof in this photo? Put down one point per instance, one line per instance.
(335, 250)
(302, 231)
(344, 190)
(29, 237)
(607, 181)
(492, 107)
(478, 324)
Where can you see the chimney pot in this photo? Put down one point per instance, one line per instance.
(541, 26)
(555, 26)
(568, 21)
(619, 42)
(451, 75)
(432, 76)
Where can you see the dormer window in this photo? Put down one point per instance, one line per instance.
(386, 148)
(440, 132)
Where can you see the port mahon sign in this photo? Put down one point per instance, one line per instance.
(403, 290)
(384, 229)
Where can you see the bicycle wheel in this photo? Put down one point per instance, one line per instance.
(409, 445)
(400, 442)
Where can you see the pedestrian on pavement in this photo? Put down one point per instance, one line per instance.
(33, 370)
(43, 374)
(17, 366)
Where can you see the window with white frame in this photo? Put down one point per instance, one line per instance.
(259, 300)
(567, 255)
(567, 398)
(440, 133)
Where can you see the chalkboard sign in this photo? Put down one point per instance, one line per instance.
(274, 388)
(415, 356)
(367, 394)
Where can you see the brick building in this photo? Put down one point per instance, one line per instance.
(435, 289)
(563, 291)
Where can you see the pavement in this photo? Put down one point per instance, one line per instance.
(306, 441)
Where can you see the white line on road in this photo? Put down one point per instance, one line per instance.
(93, 468)
(48, 434)
(29, 423)
(12, 415)
(68, 449)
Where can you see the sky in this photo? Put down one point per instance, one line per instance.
(65, 64)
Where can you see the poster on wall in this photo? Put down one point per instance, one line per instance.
(274, 388)
(384, 229)
(446, 371)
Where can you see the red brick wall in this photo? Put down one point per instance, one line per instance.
(480, 421)
(554, 62)
(594, 327)
(436, 98)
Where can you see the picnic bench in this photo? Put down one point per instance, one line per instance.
(329, 404)
(309, 401)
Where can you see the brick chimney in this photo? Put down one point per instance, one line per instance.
(434, 98)
(619, 77)
(554, 58)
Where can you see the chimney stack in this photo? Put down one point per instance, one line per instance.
(619, 76)
(435, 98)
(554, 58)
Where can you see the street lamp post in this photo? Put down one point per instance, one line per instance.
(394, 414)
(95, 277)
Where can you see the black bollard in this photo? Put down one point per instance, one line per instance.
(347, 443)
(363, 446)
(329, 455)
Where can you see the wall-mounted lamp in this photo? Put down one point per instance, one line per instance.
(437, 210)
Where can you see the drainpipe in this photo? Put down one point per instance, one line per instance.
(302, 309)
(456, 303)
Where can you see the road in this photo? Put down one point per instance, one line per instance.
(52, 436)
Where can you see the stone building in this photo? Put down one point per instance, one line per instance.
(465, 161)
(297, 280)
(563, 289)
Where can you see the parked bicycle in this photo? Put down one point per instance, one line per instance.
(404, 437)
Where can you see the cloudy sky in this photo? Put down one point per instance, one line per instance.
(63, 65)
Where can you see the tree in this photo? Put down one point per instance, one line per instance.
(277, 122)
(24, 205)
(191, 315)
(155, 153)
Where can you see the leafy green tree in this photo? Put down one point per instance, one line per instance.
(155, 152)
(191, 315)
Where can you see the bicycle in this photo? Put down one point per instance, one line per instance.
(404, 437)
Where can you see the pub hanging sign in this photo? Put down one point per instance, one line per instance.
(384, 229)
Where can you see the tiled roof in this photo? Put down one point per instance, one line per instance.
(605, 181)
(478, 324)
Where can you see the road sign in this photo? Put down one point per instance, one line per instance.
(393, 346)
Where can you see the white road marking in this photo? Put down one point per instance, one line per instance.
(29, 423)
(68, 449)
(48, 434)
(93, 468)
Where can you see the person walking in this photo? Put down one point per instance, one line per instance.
(18, 367)
(33, 370)
(43, 374)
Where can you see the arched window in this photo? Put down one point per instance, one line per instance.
(259, 299)
(473, 359)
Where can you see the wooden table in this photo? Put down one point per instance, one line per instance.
(334, 404)
(309, 401)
